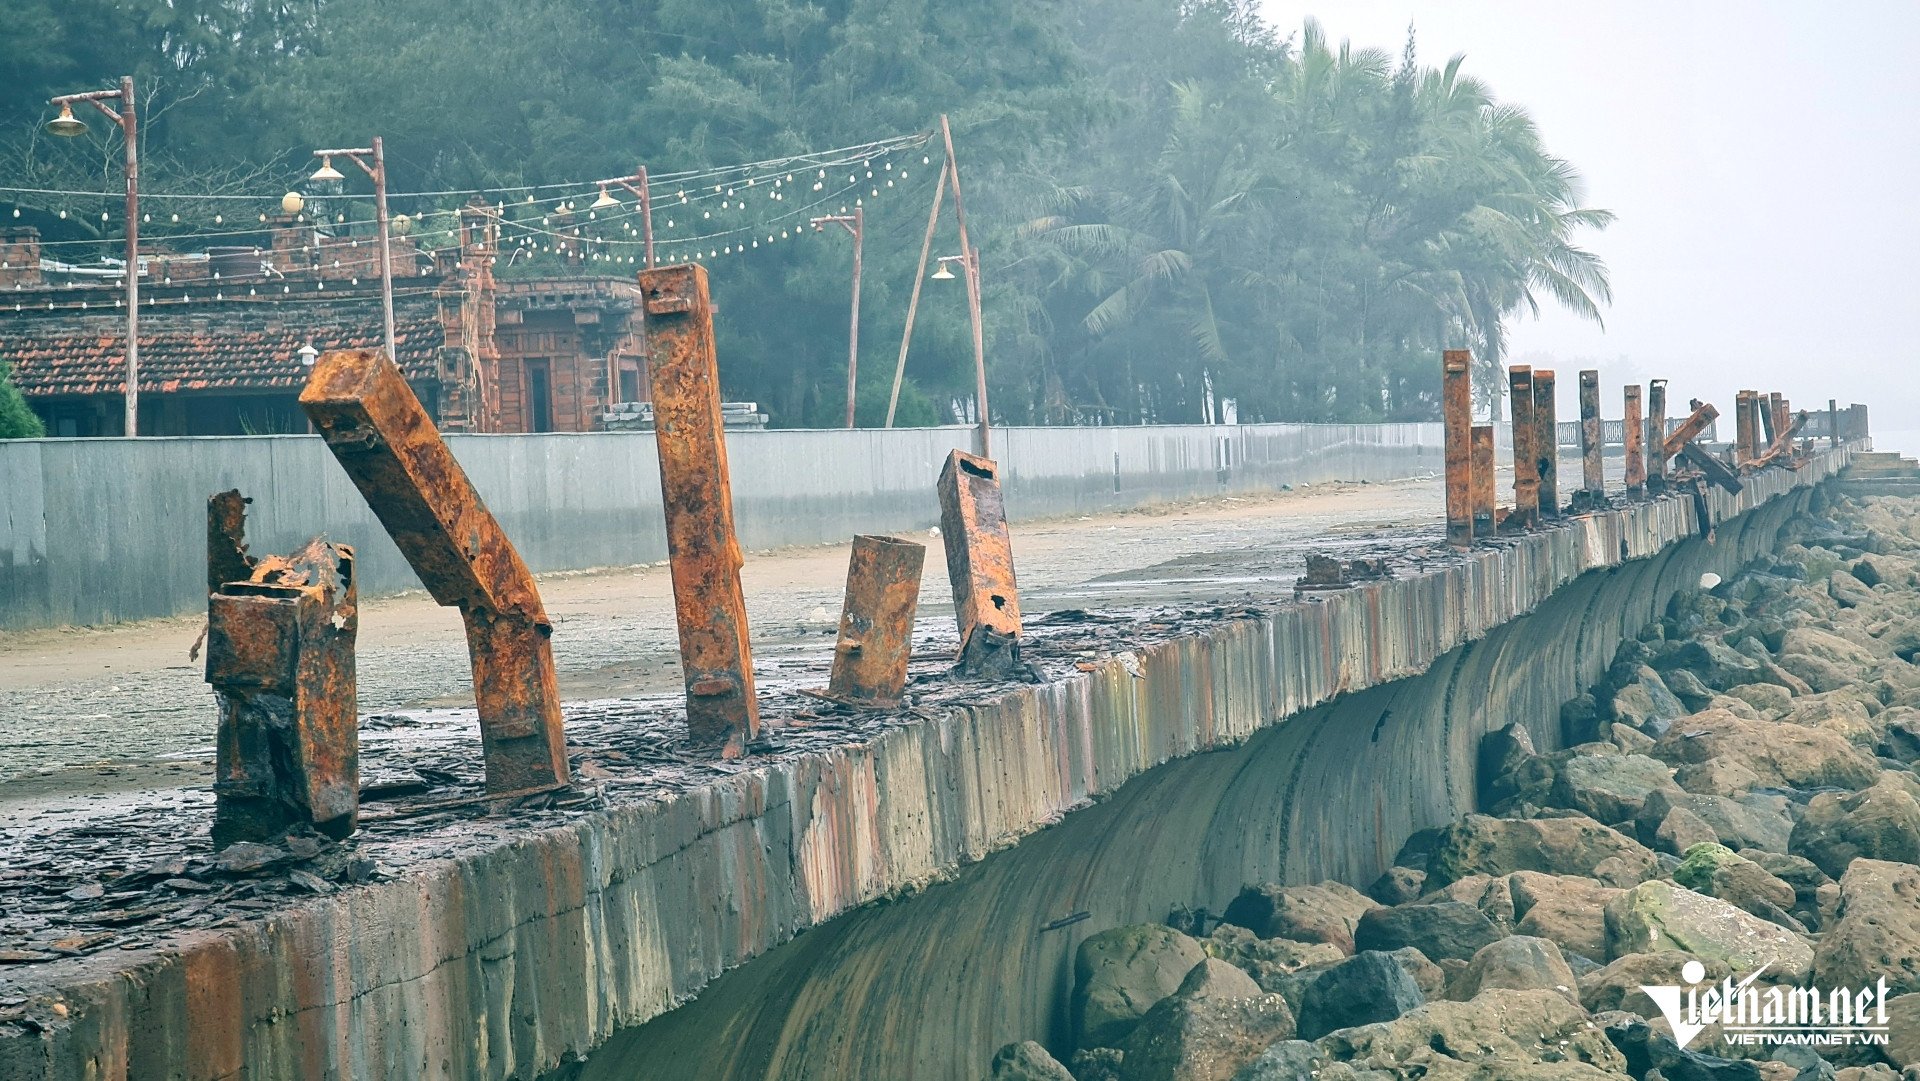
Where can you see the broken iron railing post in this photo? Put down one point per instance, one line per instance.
(1656, 449)
(876, 622)
(715, 653)
(1546, 442)
(280, 640)
(1766, 408)
(389, 447)
(1703, 414)
(1632, 434)
(986, 599)
(1483, 480)
(1742, 426)
(1456, 396)
(1526, 465)
(1593, 483)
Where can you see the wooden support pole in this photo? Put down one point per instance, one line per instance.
(716, 658)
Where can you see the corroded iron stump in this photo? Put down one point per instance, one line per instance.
(280, 658)
(383, 438)
(876, 622)
(986, 600)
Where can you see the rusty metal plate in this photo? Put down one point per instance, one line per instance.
(1526, 464)
(1546, 443)
(1482, 484)
(1456, 400)
(1633, 431)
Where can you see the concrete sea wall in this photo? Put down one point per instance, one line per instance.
(107, 530)
(1300, 744)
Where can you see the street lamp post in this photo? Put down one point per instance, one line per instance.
(969, 260)
(378, 171)
(856, 224)
(68, 125)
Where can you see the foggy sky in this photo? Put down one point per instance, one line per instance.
(1763, 158)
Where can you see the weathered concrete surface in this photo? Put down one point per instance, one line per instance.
(531, 954)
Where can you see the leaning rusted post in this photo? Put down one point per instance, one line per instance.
(1633, 433)
(1593, 481)
(876, 621)
(715, 654)
(1764, 428)
(1456, 399)
(1833, 422)
(1782, 417)
(1526, 464)
(280, 658)
(1656, 448)
(1482, 488)
(1546, 442)
(1703, 414)
(986, 599)
(383, 438)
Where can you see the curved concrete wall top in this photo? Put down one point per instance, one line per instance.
(106, 530)
(507, 963)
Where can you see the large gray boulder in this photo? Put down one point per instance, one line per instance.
(1875, 931)
(1447, 929)
(1027, 1061)
(1574, 845)
(1717, 664)
(1646, 703)
(1610, 788)
(1326, 912)
(1120, 973)
(1516, 963)
(1881, 822)
(1755, 820)
(1215, 1023)
(1656, 916)
(1500, 1034)
(1617, 986)
(1717, 871)
(1367, 987)
(1561, 909)
(1722, 754)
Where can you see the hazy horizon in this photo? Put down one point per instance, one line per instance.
(1757, 161)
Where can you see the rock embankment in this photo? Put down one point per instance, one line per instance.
(1736, 799)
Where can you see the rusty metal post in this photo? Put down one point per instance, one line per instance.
(1764, 429)
(1526, 465)
(1456, 397)
(1742, 426)
(1703, 414)
(383, 438)
(986, 599)
(1482, 486)
(876, 622)
(1546, 442)
(1833, 422)
(1592, 440)
(1782, 417)
(280, 658)
(1657, 448)
(1633, 432)
(715, 654)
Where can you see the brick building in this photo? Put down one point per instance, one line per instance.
(221, 334)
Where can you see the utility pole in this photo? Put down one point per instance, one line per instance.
(855, 223)
(972, 263)
(69, 126)
(378, 171)
(913, 301)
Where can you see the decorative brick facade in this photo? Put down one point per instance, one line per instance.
(220, 355)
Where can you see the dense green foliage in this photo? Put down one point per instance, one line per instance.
(1167, 196)
(16, 420)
